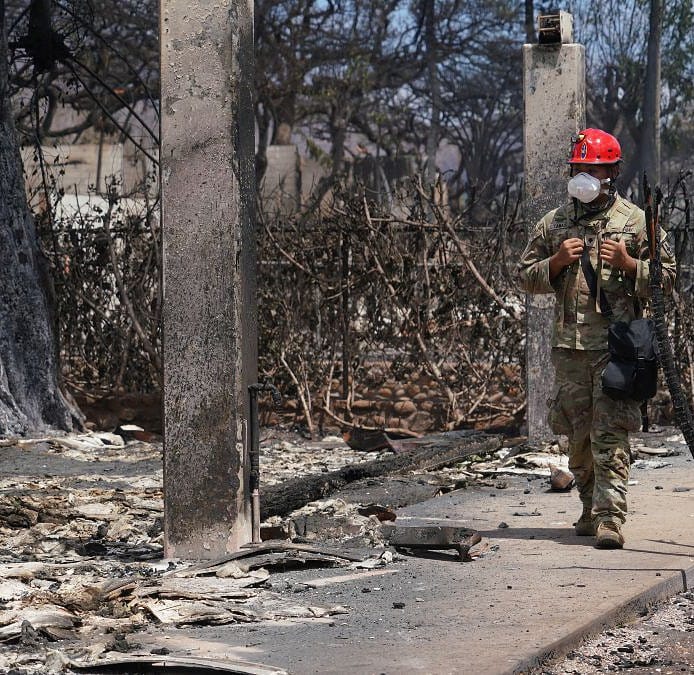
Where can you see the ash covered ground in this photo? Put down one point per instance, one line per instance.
(660, 642)
(82, 579)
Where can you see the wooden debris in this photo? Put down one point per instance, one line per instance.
(109, 514)
(183, 613)
(258, 550)
(207, 588)
(344, 578)
(130, 663)
(22, 570)
(250, 549)
(114, 588)
(369, 440)
(93, 439)
(426, 453)
(284, 460)
(44, 616)
(285, 561)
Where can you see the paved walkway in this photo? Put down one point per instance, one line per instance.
(533, 595)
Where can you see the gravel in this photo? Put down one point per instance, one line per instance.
(660, 642)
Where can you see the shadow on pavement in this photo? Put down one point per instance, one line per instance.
(565, 537)
(562, 535)
(669, 543)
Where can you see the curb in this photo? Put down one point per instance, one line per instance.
(629, 610)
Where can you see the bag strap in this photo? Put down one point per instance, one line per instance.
(592, 279)
(619, 218)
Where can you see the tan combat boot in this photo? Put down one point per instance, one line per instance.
(609, 535)
(584, 526)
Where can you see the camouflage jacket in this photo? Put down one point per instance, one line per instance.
(578, 322)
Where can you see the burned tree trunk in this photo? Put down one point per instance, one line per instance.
(279, 500)
(30, 398)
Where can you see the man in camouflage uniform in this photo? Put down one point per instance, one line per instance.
(613, 232)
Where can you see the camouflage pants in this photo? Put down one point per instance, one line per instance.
(598, 431)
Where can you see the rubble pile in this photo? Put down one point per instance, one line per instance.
(91, 607)
(82, 577)
(95, 511)
(81, 562)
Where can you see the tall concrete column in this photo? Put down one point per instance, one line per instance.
(210, 352)
(554, 97)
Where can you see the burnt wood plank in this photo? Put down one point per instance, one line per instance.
(427, 454)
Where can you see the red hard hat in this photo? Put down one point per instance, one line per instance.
(593, 146)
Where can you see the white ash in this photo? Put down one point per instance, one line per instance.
(651, 642)
(281, 460)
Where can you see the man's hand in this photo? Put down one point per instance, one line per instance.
(615, 253)
(569, 252)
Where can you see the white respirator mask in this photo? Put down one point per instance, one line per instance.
(585, 187)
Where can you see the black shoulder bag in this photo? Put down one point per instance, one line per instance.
(632, 372)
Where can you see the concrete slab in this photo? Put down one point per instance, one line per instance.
(536, 591)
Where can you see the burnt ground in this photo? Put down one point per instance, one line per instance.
(82, 579)
(661, 642)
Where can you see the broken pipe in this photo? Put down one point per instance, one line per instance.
(254, 453)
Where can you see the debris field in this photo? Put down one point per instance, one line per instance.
(82, 573)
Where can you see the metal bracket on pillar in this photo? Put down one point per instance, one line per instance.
(254, 453)
(555, 28)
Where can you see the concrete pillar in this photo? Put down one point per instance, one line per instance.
(210, 327)
(554, 97)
